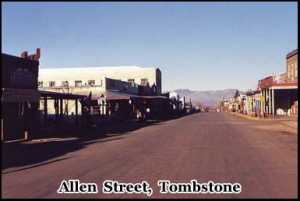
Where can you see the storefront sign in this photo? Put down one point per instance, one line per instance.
(20, 95)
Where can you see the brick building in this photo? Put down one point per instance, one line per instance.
(20, 96)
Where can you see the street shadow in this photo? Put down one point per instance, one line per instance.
(15, 154)
(36, 165)
(35, 153)
(61, 140)
(115, 128)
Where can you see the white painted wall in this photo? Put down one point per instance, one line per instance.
(96, 73)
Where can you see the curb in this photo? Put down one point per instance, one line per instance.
(246, 116)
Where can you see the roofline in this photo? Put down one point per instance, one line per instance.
(294, 52)
(90, 67)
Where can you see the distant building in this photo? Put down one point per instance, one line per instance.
(178, 103)
(253, 103)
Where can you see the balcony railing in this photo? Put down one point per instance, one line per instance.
(276, 80)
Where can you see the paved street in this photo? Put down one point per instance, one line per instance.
(262, 156)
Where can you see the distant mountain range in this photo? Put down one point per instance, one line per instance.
(206, 98)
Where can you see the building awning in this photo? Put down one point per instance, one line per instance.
(115, 95)
(112, 95)
(58, 95)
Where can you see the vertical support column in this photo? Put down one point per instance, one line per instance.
(257, 107)
(56, 107)
(270, 102)
(45, 114)
(265, 102)
(82, 115)
(76, 113)
(273, 102)
(45, 110)
(61, 108)
(262, 102)
(266, 99)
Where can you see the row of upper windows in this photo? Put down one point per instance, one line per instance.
(78, 83)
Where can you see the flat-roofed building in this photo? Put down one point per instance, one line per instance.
(59, 78)
(119, 85)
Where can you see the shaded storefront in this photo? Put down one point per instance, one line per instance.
(19, 97)
(277, 97)
(108, 106)
(60, 120)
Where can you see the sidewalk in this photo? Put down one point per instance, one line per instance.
(288, 121)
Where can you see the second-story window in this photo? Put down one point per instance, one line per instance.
(52, 84)
(78, 83)
(91, 82)
(64, 83)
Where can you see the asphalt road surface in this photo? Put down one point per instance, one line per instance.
(261, 156)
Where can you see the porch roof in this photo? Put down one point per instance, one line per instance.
(115, 95)
(58, 95)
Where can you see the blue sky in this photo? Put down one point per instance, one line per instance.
(197, 45)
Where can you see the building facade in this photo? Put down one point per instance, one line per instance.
(279, 93)
(55, 78)
(253, 103)
(112, 90)
(20, 96)
(292, 67)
